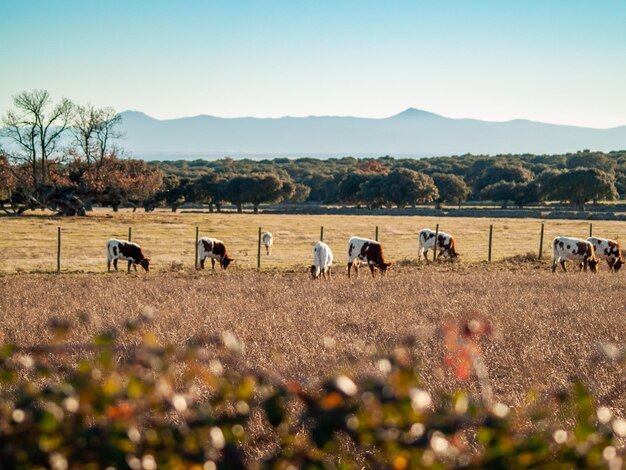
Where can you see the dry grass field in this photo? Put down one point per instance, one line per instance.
(547, 328)
(29, 244)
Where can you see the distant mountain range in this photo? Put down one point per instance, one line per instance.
(413, 132)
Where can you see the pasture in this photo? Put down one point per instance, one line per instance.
(29, 244)
(547, 328)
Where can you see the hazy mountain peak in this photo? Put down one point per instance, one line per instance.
(415, 113)
(131, 113)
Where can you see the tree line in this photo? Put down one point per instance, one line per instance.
(66, 157)
(574, 178)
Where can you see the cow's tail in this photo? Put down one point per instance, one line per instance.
(453, 252)
(555, 252)
(109, 254)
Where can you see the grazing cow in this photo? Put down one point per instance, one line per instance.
(322, 260)
(574, 249)
(268, 241)
(362, 250)
(426, 241)
(214, 249)
(125, 250)
(608, 250)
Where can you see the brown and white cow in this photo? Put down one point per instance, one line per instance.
(608, 250)
(574, 249)
(370, 252)
(214, 249)
(426, 241)
(125, 250)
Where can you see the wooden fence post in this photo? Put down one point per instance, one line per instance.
(490, 240)
(376, 233)
(59, 249)
(322, 233)
(541, 242)
(435, 246)
(130, 234)
(258, 253)
(196, 249)
(590, 229)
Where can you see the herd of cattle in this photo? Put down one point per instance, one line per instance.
(587, 253)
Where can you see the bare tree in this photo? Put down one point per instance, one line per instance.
(94, 129)
(36, 126)
(106, 131)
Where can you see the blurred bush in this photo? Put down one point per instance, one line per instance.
(148, 407)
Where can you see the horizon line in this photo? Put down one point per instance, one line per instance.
(399, 114)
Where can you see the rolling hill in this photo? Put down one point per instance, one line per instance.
(412, 132)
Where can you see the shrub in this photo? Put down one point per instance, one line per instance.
(188, 406)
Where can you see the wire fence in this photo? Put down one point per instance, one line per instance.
(76, 247)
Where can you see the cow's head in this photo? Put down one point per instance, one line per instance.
(314, 271)
(145, 264)
(593, 263)
(384, 267)
(618, 264)
(226, 261)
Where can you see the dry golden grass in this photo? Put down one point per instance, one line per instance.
(28, 244)
(547, 327)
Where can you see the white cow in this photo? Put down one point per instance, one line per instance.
(608, 250)
(322, 260)
(426, 241)
(268, 241)
(574, 249)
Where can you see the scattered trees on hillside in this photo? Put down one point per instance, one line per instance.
(451, 188)
(256, 189)
(63, 156)
(579, 186)
(45, 169)
(501, 173)
(404, 187)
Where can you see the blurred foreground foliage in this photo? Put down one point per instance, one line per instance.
(149, 406)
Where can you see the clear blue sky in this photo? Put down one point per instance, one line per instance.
(552, 61)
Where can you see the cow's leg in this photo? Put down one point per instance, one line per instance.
(135, 266)
(108, 265)
(372, 269)
(611, 263)
(115, 263)
(349, 268)
(441, 252)
(202, 263)
(329, 272)
(129, 263)
(425, 253)
(585, 262)
(213, 264)
(563, 266)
